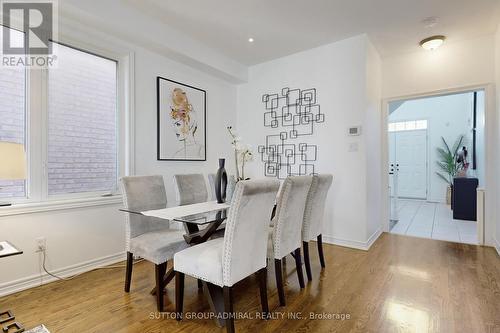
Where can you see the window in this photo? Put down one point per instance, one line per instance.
(13, 117)
(81, 123)
(70, 130)
(410, 125)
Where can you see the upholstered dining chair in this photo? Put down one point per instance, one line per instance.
(242, 252)
(285, 233)
(148, 237)
(191, 188)
(313, 218)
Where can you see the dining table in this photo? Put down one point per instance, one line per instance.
(202, 221)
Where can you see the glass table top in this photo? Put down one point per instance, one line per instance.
(203, 218)
(201, 213)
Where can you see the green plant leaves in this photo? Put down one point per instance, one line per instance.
(448, 160)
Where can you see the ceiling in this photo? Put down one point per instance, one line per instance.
(283, 27)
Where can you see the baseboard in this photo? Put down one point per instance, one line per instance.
(41, 279)
(373, 238)
(365, 246)
(497, 245)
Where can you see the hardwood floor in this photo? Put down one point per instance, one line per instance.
(402, 284)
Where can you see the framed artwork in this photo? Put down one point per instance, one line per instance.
(182, 134)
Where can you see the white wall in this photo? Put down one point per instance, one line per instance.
(75, 237)
(84, 237)
(221, 106)
(372, 133)
(497, 161)
(339, 73)
(448, 116)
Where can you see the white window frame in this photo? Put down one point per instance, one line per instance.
(405, 122)
(37, 197)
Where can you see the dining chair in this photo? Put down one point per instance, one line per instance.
(223, 262)
(285, 233)
(191, 188)
(313, 218)
(147, 237)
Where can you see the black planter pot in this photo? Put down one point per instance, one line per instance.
(221, 182)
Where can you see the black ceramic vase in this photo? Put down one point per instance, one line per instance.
(221, 182)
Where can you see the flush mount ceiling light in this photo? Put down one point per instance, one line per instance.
(433, 42)
(250, 40)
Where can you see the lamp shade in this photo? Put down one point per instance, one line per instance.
(12, 161)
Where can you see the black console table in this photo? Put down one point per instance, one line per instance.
(465, 198)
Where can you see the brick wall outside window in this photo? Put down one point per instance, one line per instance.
(82, 151)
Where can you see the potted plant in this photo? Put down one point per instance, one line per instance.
(449, 165)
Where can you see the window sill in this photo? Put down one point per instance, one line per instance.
(35, 207)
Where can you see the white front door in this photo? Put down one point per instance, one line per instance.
(409, 155)
(392, 163)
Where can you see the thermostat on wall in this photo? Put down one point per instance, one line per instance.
(354, 131)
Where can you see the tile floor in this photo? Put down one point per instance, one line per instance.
(433, 220)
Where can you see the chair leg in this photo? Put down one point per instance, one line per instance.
(228, 308)
(320, 251)
(279, 281)
(159, 274)
(179, 295)
(128, 272)
(262, 277)
(305, 245)
(298, 264)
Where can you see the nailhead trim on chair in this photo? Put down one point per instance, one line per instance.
(319, 184)
(229, 234)
(287, 186)
(306, 227)
(204, 278)
(127, 218)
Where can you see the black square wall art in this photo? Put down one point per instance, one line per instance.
(293, 113)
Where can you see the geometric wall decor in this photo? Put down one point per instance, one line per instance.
(293, 113)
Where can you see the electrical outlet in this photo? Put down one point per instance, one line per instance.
(41, 244)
